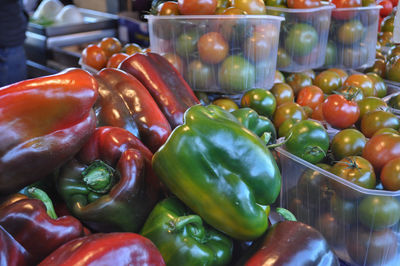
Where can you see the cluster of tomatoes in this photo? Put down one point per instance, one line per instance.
(387, 65)
(109, 52)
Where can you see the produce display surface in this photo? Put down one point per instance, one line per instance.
(199, 151)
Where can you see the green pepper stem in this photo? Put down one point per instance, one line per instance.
(286, 214)
(196, 229)
(99, 177)
(39, 194)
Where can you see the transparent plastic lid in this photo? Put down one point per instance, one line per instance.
(227, 17)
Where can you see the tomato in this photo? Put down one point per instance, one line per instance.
(310, 96)
(387, 24)
(116, 59)
(393, 51)
(169, 8)
(394, 101)
(346, 3)
(357, 170)
(233, 11)
(298, 80)
(212, 48)
(328, 81)
(176, 61)
(350, 32)
(308, 140)
(343, 209)
(275, 2)
(367, 247)
(257, 47)
(348, 142)
(301, 39)
(94, 56)
(340, 112)
(379, 212)
(185, 44)
(197, 7)
(369, 104)
(310, 73)
(283, 93)
(375, 120)
(345, 15)
(279, 77)
(303, 3)
(236, 74)
(380, 149)
(110, 45)
(330, 54)
(379, 67)
(131, 48)
(260, 100)
(393, 70)
(368, 3)
(395, 2)
(379, 85)
(226, 104)
(317, 113)
(386, 130)
(342, 73)
(288, 110)
(352, 93)
(390, 175)
(283, 58)
(355, 56)
(285, 127)
(251, 7)
(387, 8)
(362, 81)
(200, 76)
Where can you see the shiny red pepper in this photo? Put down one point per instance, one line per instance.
(168, 88)
(27, 221)
(106, 249)
(122, 95)
(44, 122)
(11, 252)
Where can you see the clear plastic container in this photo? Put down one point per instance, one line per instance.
(353, 37)
(361, 225)
(220, 53)
(303, 37)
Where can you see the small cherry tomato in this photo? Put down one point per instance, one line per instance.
(387, 8)
(328, 81)
(251, 7)
(340, 112)
(362, 81)
(303, 3)
(317, 113)
(212, 48)
(373, 121)
(288, 110)
(169, 8)
(226, 104)
(283, 93)
(116, 59)
(110, 45)
(94, 56)
(390, 175)
(197, 7)
(310, 96)
(260, 100)
(342, 73)
(131, 48)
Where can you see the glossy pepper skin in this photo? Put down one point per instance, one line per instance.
(123, 97)
(27, 221)
(106, 249)
(183, 239)
(11, 252)
(220, 170)
(290, 243)
(168, 88)
(258, 124)
(46, 121)
(119, 205)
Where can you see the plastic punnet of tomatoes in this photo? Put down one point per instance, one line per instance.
(220, 53)
(353, 35)
(304, 35)
(359, 219)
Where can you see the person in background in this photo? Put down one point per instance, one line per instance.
(13, 24)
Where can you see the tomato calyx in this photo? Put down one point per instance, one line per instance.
(314, 151)
(351, 164)
(348, 95)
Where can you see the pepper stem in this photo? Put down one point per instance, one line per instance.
(194, 223)
(39, 194)
(99, 177)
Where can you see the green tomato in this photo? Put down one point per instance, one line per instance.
(309, 141)
(186, 43)
(347, 142)
(330, 54)
(379, 84)
(369, 104)
(285, 127)
(236, 74)
(301, 39)
(387, 24)
(200, 76)
(260, 100)
(378, 212)
(393, 70)
(351, 32)
(394, 102)
(328, 81)
(283, 59)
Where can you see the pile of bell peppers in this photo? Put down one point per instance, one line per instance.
(125, 167)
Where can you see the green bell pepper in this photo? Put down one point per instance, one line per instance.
(258, 124)
(220, 170)
(182, 238)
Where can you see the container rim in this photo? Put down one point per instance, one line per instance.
(373, 192)
(211, 17)
(325, 6)
(360, 8)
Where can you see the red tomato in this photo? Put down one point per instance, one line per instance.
(110, 45)
(168, 8)
(94, 56)
(303, 3)
(251, 7)
(317, 114)
(387, 8)
(197, 7)
(395, 2)
(340, 112)
(390, 175)
(212, 48)
(116, 59)
(345, 15)
(380, 149)
(310, 96)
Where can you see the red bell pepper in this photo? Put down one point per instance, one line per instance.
(110, 185)
(28, 222)
(120, 94)
(11, 252)
(106, 249)
(168, 88)
(44, 121)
